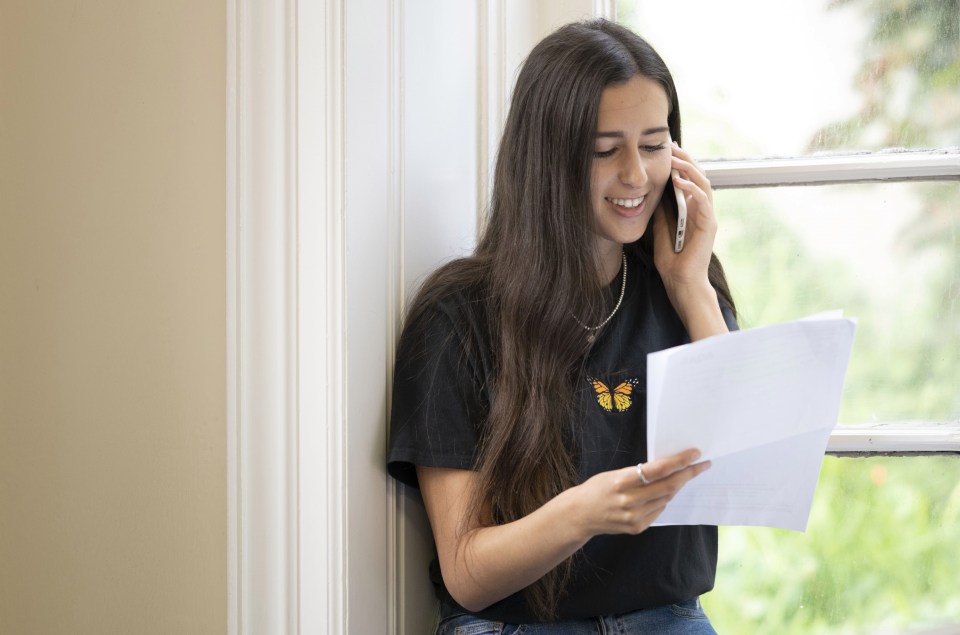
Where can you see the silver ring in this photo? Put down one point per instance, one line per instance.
(643, 479)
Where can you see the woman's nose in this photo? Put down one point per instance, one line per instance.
(633, 172)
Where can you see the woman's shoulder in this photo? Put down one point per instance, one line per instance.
(455, 293)
(448, 317)
(456, 285)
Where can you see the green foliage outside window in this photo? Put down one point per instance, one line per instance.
(879, 556)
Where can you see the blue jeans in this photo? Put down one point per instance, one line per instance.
(683, 618)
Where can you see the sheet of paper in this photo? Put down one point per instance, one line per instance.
(758, 403)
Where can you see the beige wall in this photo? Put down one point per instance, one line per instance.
(112, 314)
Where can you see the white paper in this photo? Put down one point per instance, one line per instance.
(758, 403)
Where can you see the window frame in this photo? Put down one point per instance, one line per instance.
(882, 166)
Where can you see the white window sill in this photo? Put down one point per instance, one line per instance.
(895, 438)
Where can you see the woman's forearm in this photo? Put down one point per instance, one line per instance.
(699, 310)
(491, 563)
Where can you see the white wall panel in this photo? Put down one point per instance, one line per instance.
(439, 215)
(368, 205)
(440, 133)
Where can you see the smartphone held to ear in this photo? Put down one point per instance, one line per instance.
(681, 213)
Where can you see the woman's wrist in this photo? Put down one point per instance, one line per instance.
(698, 308)
(574, 529)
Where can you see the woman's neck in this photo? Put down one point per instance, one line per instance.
(611, 258)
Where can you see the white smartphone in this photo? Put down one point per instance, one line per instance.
(681, 213)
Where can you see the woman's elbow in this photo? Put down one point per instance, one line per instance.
(465, 591)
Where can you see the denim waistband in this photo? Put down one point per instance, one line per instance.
(682, 618)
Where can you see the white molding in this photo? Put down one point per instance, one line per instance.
(895, 438)
(232, 318)
(286, 321)
(321, 292)
(397, 603)
(262, 318)
(493, 93)
(605, 9)
(843, 168)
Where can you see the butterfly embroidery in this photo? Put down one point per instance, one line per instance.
(617, 399)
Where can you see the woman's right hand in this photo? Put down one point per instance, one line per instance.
(618, 502)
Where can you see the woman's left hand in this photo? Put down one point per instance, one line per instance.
(685, 274)
(687, 269)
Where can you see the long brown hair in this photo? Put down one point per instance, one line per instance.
(536, 264)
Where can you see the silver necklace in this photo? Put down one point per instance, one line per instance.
(623, 286)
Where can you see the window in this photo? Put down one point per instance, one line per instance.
(829, 129)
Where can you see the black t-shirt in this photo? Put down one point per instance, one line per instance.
(440, 403)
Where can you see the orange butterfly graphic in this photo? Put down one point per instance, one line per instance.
(617, 399)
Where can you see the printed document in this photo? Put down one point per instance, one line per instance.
(760, 405)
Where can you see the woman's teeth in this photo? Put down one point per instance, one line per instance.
(626, 202)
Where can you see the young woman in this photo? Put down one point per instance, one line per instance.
(519, 406)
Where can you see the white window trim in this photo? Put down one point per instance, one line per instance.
(835, 168)
(895, 438)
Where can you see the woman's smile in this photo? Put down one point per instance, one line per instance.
(628, 207)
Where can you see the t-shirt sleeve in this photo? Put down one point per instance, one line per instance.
(439, 397)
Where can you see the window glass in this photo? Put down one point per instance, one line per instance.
(887, 254)
(792, 77)
(879, 556)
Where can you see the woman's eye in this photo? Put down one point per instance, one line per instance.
(600, 154)
(653, 148)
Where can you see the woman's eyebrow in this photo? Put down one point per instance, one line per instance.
(619, 134)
